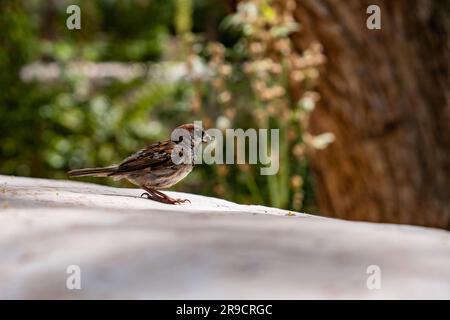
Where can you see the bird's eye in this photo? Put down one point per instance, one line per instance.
(181, 139)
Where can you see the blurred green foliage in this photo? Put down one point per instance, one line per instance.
(51, 127)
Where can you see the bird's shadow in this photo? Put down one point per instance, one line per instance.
(122, 195)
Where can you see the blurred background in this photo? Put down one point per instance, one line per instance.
(363, 114)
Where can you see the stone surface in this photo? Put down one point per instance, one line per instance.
(129, 247)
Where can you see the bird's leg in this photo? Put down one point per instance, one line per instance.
(156, 195)
(172, 200)
(150, 195)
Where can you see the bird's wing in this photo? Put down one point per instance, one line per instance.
(152, 156)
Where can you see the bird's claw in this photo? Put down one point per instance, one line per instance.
(166, 199)
(179, 201)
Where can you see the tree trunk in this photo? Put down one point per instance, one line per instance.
(385, 94)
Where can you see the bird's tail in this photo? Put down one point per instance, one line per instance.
(93, 172)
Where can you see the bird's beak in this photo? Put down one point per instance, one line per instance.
(207, 138)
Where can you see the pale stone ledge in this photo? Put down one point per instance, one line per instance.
(129, 247)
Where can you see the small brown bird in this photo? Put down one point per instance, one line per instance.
(158, 166)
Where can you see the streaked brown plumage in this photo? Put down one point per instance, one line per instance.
(153, 167)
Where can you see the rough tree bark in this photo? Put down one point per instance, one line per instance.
(385, 94)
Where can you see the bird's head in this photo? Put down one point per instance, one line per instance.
(190, 132)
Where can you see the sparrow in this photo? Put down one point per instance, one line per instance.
(158, 166)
